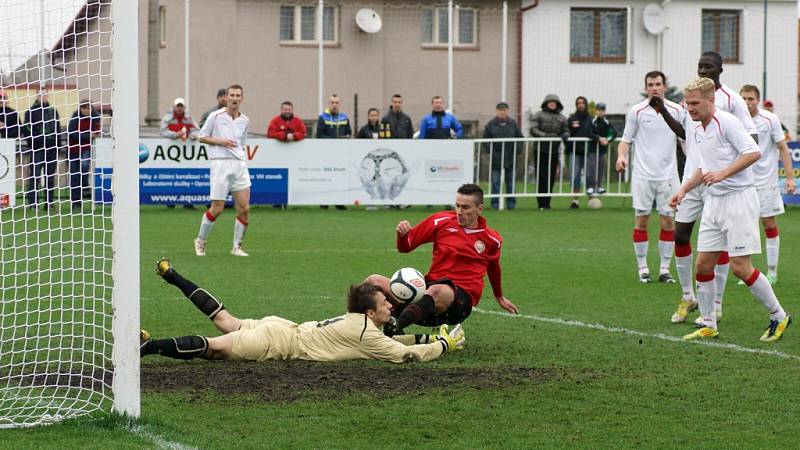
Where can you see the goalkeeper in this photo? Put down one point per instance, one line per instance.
(355, 335)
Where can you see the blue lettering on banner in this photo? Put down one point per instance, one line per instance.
(175, 186)
(794, 151)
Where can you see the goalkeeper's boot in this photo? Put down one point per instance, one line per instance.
(699, 321)
(163, 267)
(776, 328)
(144, 338)
(200, 247)
(237, 251)
(684, 308)
(702, 333)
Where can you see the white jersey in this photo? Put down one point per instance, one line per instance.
(719, 145)
(654, 159)
(220, 124)
(770, 133)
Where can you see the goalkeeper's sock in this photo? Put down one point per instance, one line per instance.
(239, 228)
(416, 311)
(186, 347)
(206, 224)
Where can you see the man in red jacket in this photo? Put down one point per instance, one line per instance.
(285, 126)
(465, 250)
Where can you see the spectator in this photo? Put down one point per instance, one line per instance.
(178, 124)
(602, 134)
(9, 119)
(580, 126)
(549, 122)
(503, 154)
(42, 130)
(221, 103)
(769, 106)
(333, 124)
(286, 127)
(372, 130)
(84, 125)
(439, 124)
(396, 124)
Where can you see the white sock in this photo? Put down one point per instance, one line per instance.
(706, 288)
(773, 249)
(683, 264)
(206, 224)
(720, 278)
(760, 287)
(665, 250)
(640, 249)
(239, 228)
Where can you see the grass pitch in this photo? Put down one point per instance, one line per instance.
(543, 379)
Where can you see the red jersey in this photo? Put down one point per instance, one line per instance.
(463, 255)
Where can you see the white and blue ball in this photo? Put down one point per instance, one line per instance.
(407, 285)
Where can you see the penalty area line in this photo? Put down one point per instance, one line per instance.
(661, 336)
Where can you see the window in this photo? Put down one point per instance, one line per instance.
(435, 31)
(162, 26)
(721, 33)
(298, 24)
(598, 35)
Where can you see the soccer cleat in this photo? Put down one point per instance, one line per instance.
(237, 251)
(698, 322)
(773, 279)
(684, 308)
(200, 247)
(666, 278)
(644, 277)
(702, 333)
(776, 328)
(163, 267)
(144, 338)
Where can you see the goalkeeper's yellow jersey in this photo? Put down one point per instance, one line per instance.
(351, 336)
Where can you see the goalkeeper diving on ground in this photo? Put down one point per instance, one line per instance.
(354, 335)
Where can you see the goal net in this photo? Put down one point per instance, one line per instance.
(59, 315)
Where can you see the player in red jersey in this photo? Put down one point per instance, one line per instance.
(465, 250)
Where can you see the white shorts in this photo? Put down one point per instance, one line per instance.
(730, 223)
(228, 175)
(645, 192)
(691, 207)
(771, 201)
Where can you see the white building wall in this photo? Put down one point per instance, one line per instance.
(546, 66)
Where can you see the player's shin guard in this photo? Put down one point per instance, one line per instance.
(666, 246)
(706, 288)
(186, 347)
(773, 250)
(640, 245)
(720, 278)
(416, 311)
(206, 303)
(683, 264)
(206, 224)
(760, 287)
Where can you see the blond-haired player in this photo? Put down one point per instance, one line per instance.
(355, 335)
(729, 222)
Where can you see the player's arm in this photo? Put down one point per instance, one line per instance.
(631, 127)
(409, 238)
(688, 184)
(786, 157)
(494, 272)
(743, 114)
(658, 104)
(383, 348)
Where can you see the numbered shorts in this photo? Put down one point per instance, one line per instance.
(691, 208)
(228, 175)
(770, 201)
(730, 223)
(647, 192)
(269, 338)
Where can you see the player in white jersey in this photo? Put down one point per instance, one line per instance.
(655, 174)
(772, 141)
(355, 335)
(226, 131)
(709, 66)
(729, 222)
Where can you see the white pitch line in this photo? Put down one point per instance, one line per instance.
(158, 440)
(663, 337)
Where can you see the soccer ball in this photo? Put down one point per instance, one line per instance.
(407, 285)
(595, 203)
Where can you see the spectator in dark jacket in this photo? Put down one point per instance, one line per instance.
(372, 130)
(548, 123)
(602, 134)
(84, 126)
(396, 124)
(9, 119)
(42, 129)
(222, 101)
(503, 154)
(580, 126)
(333, 124)
(440, 124)
(286, 127)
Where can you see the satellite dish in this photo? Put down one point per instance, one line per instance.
(368, 20)
(654, 20)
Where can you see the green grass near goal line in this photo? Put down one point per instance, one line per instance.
(615, 389)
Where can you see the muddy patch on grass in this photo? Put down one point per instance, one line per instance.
(287, 381)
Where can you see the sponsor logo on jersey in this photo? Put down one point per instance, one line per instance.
(480, 246)
(452, 230)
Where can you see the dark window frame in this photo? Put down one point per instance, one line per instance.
(716, 15)
(596, 57)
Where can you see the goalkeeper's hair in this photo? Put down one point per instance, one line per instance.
(473, 190)
(361, 297)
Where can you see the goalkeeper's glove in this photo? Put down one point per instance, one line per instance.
(453, 340)
(391, 328)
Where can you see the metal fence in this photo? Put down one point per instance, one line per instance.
(548, 167)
